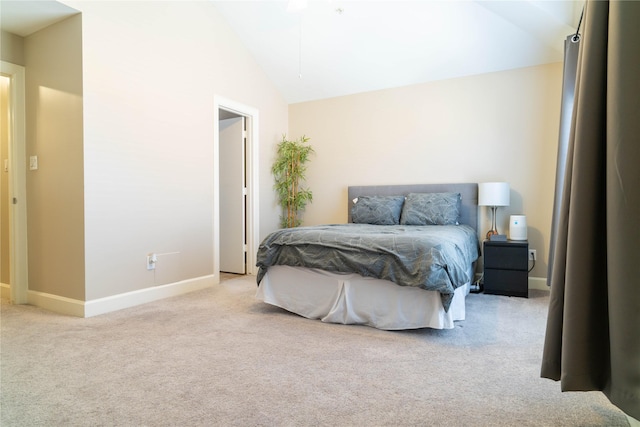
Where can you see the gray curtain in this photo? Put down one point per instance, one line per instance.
(592, 339)
(571, 49)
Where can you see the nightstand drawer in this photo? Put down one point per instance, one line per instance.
(506, 282)
(512, 257)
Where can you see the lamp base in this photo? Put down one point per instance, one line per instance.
(494, 228)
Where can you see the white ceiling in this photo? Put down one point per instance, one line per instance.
(335, 48)
(24, 17)
(340, 47)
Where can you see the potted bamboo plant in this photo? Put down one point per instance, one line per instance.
(289, 171)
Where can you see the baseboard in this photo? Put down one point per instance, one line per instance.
(77, 308)
(56, 303)
(105, 305)
(142, 296)
(539, 283)
(5, 291)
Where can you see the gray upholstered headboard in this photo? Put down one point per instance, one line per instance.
(468, 191)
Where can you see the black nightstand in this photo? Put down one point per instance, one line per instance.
(506, 265)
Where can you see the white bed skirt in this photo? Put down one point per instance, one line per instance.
(353, 299)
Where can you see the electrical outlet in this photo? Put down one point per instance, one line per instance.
(151, 261)
(532, 254)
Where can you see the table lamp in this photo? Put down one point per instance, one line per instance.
(493, 194)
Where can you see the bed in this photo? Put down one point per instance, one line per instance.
(405, 259)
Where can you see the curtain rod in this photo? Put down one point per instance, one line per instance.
(576, 36)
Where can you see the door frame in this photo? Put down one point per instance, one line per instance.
(253, 183)
(17, 183)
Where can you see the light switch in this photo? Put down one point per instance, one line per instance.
(33, 163)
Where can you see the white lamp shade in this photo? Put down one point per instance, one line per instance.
(493, 194)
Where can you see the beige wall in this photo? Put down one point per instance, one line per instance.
(55, 212)
(492, 127)
(11, 48)
(151, 72)
(140, 180)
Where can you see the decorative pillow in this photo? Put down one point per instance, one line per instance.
(379, 210)
(431, 209)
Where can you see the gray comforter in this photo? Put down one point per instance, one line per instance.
(432, 257)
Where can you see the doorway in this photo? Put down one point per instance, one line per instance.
(235, 144)
(14, 192)
(233, 193)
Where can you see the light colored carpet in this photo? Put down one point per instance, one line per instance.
(219, 357)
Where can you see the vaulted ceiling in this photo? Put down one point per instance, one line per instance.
(332, 48)
(24, 17)
(338, 47)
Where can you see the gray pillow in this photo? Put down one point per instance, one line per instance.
(431, 209)
(379, 210)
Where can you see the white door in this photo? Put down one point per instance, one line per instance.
(5, 201)
(232, 196)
